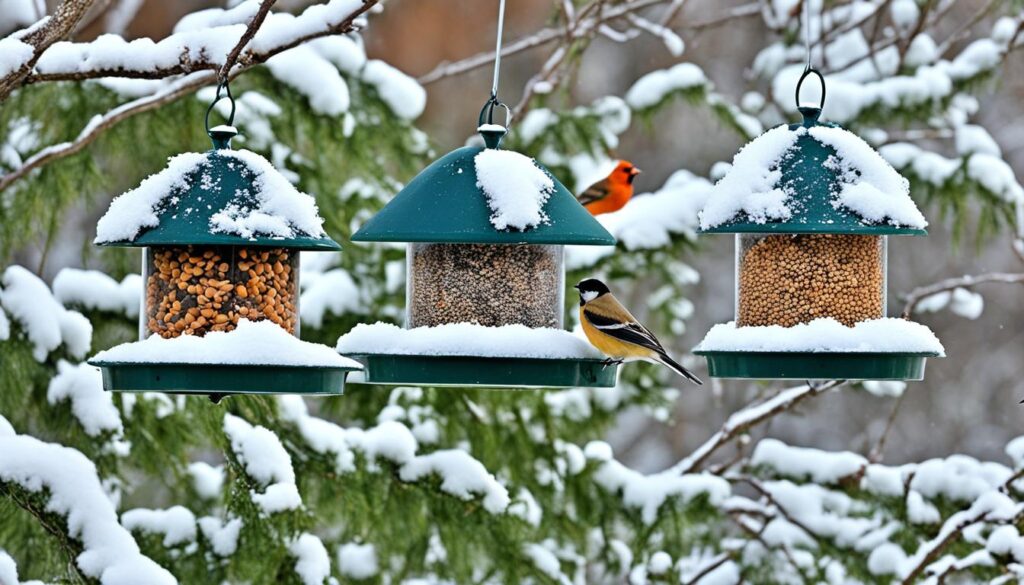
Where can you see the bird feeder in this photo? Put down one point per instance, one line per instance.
(812, 207)
(221, 233)
(461, 268)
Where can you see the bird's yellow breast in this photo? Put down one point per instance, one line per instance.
(611, 346)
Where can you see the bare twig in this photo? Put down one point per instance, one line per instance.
(175, 90)
(63, 22)
(876, 453)
(250, 32)
(914, 297)
(711, 566)
(751, 416)
(941, 545)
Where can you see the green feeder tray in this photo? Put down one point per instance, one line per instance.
(433, 370)
(772, 365)
(218, 380)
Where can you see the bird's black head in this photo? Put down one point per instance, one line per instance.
(590, 289)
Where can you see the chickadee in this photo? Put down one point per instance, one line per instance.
(613, 330)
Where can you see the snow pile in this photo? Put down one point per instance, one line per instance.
(207, 480)
(651, 89)
(137, 209)
(402, 94)
(275, 208)
(357, 561)
(312, 563)
(256, 343)
(813, 464)
(176, 524)
(328, 293)
(649, 220)
(83, 386)
(466, 339)
(46, 323)
(515, 187)
(649, 492)
(961, 301)
(888, 335)
(14, 55)
(266, 461)
(751, 185)
(302, 69)
(222, 536)
(95, 291)
(989, 170)
(867, 185)
(461, 476)
(110, 554)
(389, 440)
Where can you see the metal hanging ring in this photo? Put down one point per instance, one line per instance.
(227, 94)
(821, 78)
(488, 109)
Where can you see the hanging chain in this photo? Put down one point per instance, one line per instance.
(808, 68)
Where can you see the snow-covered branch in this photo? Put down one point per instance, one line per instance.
(916, 296)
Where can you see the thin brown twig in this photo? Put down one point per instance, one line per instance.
(250, 32)
(714, 564)
(914, 297)
(876, 453)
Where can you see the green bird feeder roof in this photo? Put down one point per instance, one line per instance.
(446, 203)
(811, 178)
(220, 197)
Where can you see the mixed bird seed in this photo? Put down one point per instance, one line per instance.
(486, 284)
(193, 290)
(791, 279)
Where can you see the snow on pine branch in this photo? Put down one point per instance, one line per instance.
(68, 482)
(43, 320)
(93, 290)
(265, 460)
(461, 475)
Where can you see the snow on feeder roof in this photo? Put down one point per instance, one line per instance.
(484, 195)
(811, 177)
(219, 197)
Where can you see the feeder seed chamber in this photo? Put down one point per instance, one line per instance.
(201, 280)
(461, 269)
(820, 258)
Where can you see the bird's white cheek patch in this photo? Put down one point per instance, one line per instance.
(588, 296)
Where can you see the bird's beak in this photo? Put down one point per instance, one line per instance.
(635, 171)
(576, 286)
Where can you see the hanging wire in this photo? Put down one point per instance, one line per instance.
(226, 89)
(808, 68)
(497, 49)
(493, 101)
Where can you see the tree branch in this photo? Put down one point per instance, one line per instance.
(739, 422)
(914, 297)
(175, 90)
(59, 26)
(250, 32)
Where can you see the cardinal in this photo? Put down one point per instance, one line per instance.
(611, 193)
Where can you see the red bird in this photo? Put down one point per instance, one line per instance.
(611, 193)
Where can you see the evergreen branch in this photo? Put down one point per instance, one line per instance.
(943, 542)
(914, 297)
(250, 32)
(739, 422)
(53, 29)
(175, 90)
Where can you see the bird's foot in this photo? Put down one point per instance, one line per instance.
(610, 362)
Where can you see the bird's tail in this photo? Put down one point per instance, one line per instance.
(664, 359)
